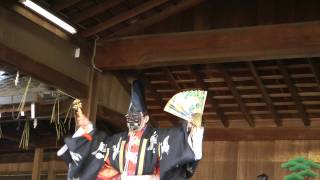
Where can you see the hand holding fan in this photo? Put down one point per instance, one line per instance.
(188, 105)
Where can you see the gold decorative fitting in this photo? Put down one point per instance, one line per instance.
(77, 104)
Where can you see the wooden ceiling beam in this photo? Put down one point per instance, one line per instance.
(123, 81)
(171, 79)
(111, 118)
(265, 94)
(63, 4)
(210, 94)
(315, 69)
(95, 10)
(157, 96)
(236, 94)
(42, 72)
(122, 17)
(294, 93)
(261, 134)
(30, 15)
(214, 46)
(141, 24)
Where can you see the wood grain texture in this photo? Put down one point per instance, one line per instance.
(223, 45)
(243, 160)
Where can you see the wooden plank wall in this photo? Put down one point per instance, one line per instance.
(26, 168)
(111, 93)
(244, 160)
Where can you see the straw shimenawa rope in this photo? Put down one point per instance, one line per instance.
(24, 141)
(55, 116)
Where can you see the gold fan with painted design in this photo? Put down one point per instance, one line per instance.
(188, 105)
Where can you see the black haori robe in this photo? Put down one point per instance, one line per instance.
(176, 157)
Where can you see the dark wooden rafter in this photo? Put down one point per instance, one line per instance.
(156, 95)
(16, 139)
(210, 94)
(265, 94)
(316, 71)
(95, 10)
(235, 94)
(171, 79)
(42, 72)
(48, 141)
(123, 81)
(170, 11)
(122, 17)
(294, 92)
(85, 46)
(63, 4)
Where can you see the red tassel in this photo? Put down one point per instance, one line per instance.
(87, 136)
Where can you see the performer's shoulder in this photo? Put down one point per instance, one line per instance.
(117, 136)
(169, 130)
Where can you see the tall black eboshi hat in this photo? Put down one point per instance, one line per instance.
(137, 103)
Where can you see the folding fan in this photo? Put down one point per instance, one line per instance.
(188, 105)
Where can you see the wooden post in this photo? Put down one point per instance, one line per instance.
(38, 157)
(89, 104)
(51, 171)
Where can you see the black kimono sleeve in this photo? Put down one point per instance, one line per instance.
(177, 159)
(84, 158)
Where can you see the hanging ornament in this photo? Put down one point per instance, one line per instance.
(23, 99)
(16, 81)
(35, 123)
(55, 118)
(77, 105)
(33, 110)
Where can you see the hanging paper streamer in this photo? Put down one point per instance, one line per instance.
(35, 123)
(33, 111)
(16, 81)
(24, 142)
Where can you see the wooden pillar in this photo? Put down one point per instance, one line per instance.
(37, 161)
(51, 170)
(90, 106)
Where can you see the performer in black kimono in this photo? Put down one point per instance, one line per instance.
(143, 152)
